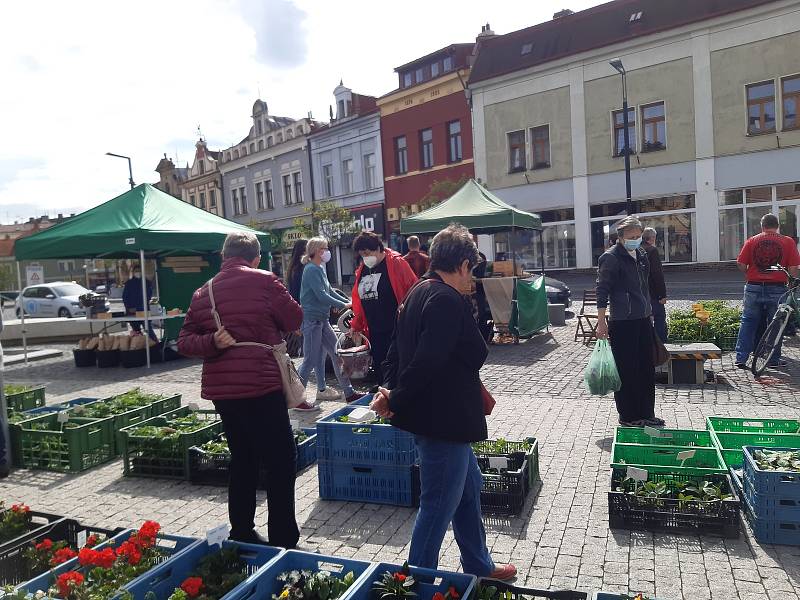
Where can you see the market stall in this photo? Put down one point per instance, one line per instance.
(480, 211)
(145, 224)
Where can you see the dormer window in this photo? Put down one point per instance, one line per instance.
(340, 114)
(448, 64)
(635, 17)
(526, 49)
(407, 79)
(202, 167)
(289, 134)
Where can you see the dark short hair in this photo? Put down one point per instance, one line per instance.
(451, 247)
(241, 244)
(770, 221)
(367, 240)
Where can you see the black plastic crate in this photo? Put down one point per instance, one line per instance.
(14, 567)
(670, 514)
(38, 521)
(506, 591)
(505, 492)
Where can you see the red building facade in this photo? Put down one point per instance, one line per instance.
(426, 132)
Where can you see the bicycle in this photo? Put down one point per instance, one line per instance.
(771, 338)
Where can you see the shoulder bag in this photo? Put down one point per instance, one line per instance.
(293, 388)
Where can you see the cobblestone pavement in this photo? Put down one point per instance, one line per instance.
(562, 538)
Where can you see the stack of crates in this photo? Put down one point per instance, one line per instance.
(510, 469)
(361, 462)
(772, 500)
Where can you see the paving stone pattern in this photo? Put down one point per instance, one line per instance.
(562, 538)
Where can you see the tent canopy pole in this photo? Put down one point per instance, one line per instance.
(146, 305)
(22, 313)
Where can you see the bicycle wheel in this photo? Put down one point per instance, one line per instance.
(768, 343)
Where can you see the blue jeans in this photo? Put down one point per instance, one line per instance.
(319, 341)
(760, 302)
(450, 492)
(659, 320)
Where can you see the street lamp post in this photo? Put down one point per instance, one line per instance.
(617, 64)
(130, 169)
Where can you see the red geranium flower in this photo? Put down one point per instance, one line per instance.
(62, 556)
(399, 577)
(67, 582)
(438, 596)
(91, 541)
(192, 586)
(148, 533)
(104, 558)
(20, 508)
(453, 593)
(86, 556)
(131, 553)
(45, 544)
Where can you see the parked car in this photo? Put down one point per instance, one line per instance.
(56, 299)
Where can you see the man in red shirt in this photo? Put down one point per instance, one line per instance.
(764, 288)
(418, 261)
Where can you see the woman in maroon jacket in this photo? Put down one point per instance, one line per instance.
(244, 384)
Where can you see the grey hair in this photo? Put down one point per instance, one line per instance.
(770, 221)
(451, 247)
(649, 233)
(413, 242)
(314, 245)
(629, 222)
(241, 244)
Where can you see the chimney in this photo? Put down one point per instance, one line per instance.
(485, 34)
(563, 13)
(71, 214)
(60, 216)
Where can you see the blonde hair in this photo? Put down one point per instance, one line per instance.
(314, 245)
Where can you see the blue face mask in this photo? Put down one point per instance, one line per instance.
(631, 245)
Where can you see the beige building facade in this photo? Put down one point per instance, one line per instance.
(714, 107)
(203, 185)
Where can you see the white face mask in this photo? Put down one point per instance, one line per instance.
(137, 275)
(326, 255)
(370, 261)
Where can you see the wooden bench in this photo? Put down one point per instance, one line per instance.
(586, 329)
(686, 362)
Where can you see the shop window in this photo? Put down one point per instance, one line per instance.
(516, 151)
(790, 92)
(761, 108)
(654, 127)
(540, 142)
(619, 132)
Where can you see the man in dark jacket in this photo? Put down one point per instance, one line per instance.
(132, 297)
(433, 372)
(244, 383)
(658, 287)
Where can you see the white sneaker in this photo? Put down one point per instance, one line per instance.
(328, 394)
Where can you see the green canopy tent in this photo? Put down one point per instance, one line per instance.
(144, 222)
(480, 211)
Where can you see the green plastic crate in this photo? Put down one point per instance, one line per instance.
(21, 401)
(664, 437)
(752, 425)
(664, 459)
(147, 456)
(730, 444)
(487, 447)
(71, 447)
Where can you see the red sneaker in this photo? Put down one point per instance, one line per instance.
(504, 572)
(306, 407)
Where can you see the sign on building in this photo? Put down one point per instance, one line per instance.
(34, 274)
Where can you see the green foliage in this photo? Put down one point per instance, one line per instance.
(442, 190)
(723, 321)
(327, 219)
(14, 522)
(775, 460)
(15, 389)
(393, 586)
(220, 571)
(310, 585)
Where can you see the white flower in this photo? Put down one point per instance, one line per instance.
(39, 595)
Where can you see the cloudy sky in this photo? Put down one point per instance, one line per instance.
(80, 79)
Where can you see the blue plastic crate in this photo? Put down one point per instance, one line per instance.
(772, 531)
(770, 483)
(429, 582)
(368, 483)
(770, 507)
(364, 444)
(163, 580)
(50, 408)
(265, 583)
(172, 545)
(613, 596)
(307, 449)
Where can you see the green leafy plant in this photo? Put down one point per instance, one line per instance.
(775, 460)
(216, 575)
(312, 585)
(393, 586)
(15, 521)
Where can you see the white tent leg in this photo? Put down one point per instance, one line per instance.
(146, 301)
(22, 313)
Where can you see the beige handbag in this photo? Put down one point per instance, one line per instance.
(293, 388)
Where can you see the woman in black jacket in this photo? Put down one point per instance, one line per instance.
(432, 370)
(294, 273)
(623, 283)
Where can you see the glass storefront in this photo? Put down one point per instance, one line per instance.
(673, 217)
(740, 213)
(558, 233)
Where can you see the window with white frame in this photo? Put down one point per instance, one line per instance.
(348, 176)
(540, 147)
(298, 188)
(370, 171)
(287, 190)
(327, 180)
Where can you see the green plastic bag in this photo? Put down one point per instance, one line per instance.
(601, 376)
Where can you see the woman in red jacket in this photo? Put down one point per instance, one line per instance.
(382, 282)
(244, 383)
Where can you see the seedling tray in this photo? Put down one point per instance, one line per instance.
(663, 437)
(506, 591)
(15, 568)
(265, 583)
(39, 521)
(664, 459)
(670, 514)
(32, 397)
(429, 581)
(165, 578)
(505, 492)
(752, 425)
(398, 486)
(776, 484)
(378, 445)
(160, 457)
(730, 444)
(207, 468)
(171, 545)
(71, 447)
(528, 447)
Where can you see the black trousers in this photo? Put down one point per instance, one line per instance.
(259, 433)
(379, 344)
(632, 345)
